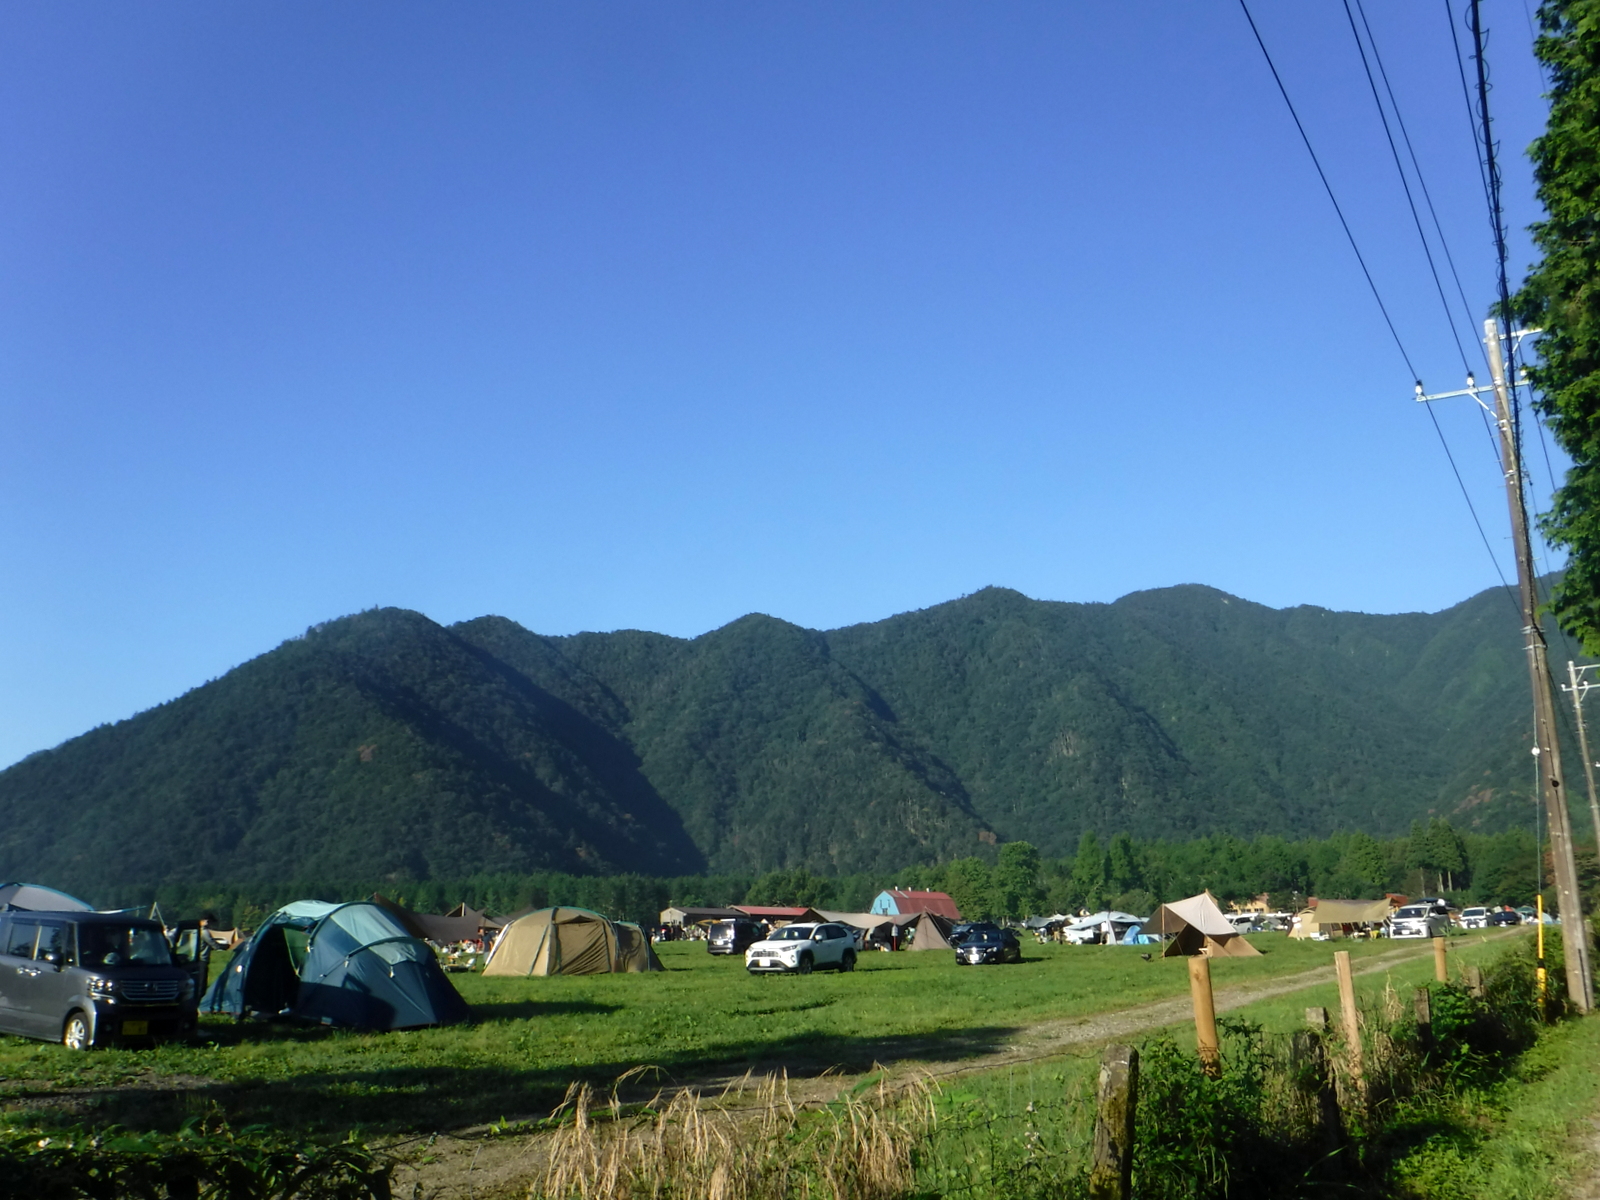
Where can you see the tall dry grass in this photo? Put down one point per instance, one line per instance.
(751, 1143)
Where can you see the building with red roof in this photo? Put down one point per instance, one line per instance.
(898, 901)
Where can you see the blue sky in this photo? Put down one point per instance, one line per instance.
(638, 315)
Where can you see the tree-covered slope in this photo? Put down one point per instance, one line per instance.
(386, 746)
(377, 745)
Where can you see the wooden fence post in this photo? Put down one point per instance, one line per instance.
(1111, 1175)
(1475, 982)
(1352, 1021)
(1205, 1015)
(1422, 1007)
(1317, 1018)
(1441, 969)
(1311, 1061)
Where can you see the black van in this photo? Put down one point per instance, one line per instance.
(733, 937)
(88, 979)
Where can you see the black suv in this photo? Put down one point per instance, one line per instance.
(733, 937)
(88, 979)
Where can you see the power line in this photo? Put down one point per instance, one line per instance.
(1422, 182)
(1322, 175)
(1471, 508)
(1466, 94)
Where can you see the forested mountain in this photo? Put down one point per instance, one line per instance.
(384, 745)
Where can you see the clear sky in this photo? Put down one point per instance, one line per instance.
(613, 315)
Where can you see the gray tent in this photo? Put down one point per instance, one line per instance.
(35, 897)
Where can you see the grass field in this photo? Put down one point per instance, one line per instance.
(702, 1017)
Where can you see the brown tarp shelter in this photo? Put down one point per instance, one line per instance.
(679, 915)
(1197, 926)
(570, 941)
(460, 924)
(1333, 917)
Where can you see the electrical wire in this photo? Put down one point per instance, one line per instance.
(1422, 183)
(1465, 495)
(1328, 187)
(1405, 184)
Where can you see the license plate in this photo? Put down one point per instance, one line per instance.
(135, 1028)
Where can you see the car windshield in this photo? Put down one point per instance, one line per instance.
(988, 936)
(1412, 912)
(791, 933)
(1473, 912)
(122, 946)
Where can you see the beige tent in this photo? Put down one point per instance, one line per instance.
(1197, 926)
(933, 932)
(1336, 917)
(569, 941)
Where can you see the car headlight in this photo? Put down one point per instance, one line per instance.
(102, 988)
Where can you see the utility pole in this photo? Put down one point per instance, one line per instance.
(1547, 742)
(1579, 687)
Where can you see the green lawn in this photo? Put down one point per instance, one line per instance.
(702, 1016)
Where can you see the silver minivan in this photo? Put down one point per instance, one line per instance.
(88, 979)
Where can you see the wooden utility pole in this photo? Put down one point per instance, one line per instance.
(1547, 741)
(1579, 687)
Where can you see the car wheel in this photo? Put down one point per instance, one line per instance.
(75, 1033)
(804, 966)
(848, 962)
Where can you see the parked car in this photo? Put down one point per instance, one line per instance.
(965, 929)
(988, 946)
(1475, 918)
(801, 949)
(1418, 921)
(732, 937)
(1505, 916)
(90, 979)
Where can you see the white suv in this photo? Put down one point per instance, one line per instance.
(1474, 918)
(800, 949)
(1417, 921)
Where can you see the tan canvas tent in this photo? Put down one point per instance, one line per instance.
(1197, 926)
(1335, 917)
(933, 932)
(569, 941)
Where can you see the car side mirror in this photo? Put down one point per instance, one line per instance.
(53, 958)
(816, 935)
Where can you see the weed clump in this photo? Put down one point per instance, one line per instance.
(744, 1146)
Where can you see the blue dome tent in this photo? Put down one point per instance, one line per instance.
(341, 964)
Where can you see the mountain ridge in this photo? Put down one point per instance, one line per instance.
(386, 745)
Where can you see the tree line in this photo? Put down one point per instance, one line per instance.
(1014, 881)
